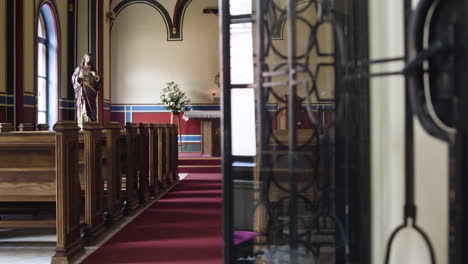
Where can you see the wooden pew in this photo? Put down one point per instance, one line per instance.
(143, 162)
(92, 144)
(154, 185)
(112, 175)
(108, 156)
(26, 127)
(129, 168)
(169, 152)
(174, 152)
(108, 170)
(164, 157)
(6, 127)
(43, 167)
(42, 127)
(161, 157)
(90, 141)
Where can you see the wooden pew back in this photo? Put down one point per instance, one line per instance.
(27, 166)
(43, 166)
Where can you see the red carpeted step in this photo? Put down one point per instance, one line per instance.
(183, 227)
(194, 162)
(189, 154)
(215, 161)
(199, 169)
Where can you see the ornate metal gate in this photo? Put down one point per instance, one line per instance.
(309, 172)
(308, 187)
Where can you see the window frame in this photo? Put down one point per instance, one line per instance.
(242, 19)
(42, 41)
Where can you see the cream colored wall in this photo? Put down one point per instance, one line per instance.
(143, 61)
(2, 46)
(387, 152)
(62, 7)
(82, 28)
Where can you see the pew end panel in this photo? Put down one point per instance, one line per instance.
(143, 162)
(68, 204)
(91, 163)
(27, 167)
(38, 167)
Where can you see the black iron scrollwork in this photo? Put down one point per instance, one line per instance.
(421, 104)
(297, 166)
(419, 92)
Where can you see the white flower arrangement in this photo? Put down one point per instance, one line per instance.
(173, 98)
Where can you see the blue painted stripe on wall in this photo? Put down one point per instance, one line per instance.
(117, 108)
(67, 104)
(191, 138)
(149, 108)
(29, 99)
(161, 109)
(10, 99)
(204, 107)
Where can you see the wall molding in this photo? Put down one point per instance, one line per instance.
(174, 25)
(157, 108)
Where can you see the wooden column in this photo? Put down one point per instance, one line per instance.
(153, 159)
(161, 158)
(143, 160)
(211, 137)
(68, 193)
(167, 152)
(131, 156)
(113, 178)
(175, 152)
(94, 183)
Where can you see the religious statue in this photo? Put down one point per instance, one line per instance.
(86, 85)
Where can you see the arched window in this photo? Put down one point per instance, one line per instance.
(41, 71)
(47, 66)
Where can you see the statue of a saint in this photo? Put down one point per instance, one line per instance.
(86, 85)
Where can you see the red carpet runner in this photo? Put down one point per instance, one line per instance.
(183, 227)
(194, 162)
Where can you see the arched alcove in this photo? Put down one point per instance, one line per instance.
(143, 60)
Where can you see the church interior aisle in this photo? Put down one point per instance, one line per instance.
(183, 227)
